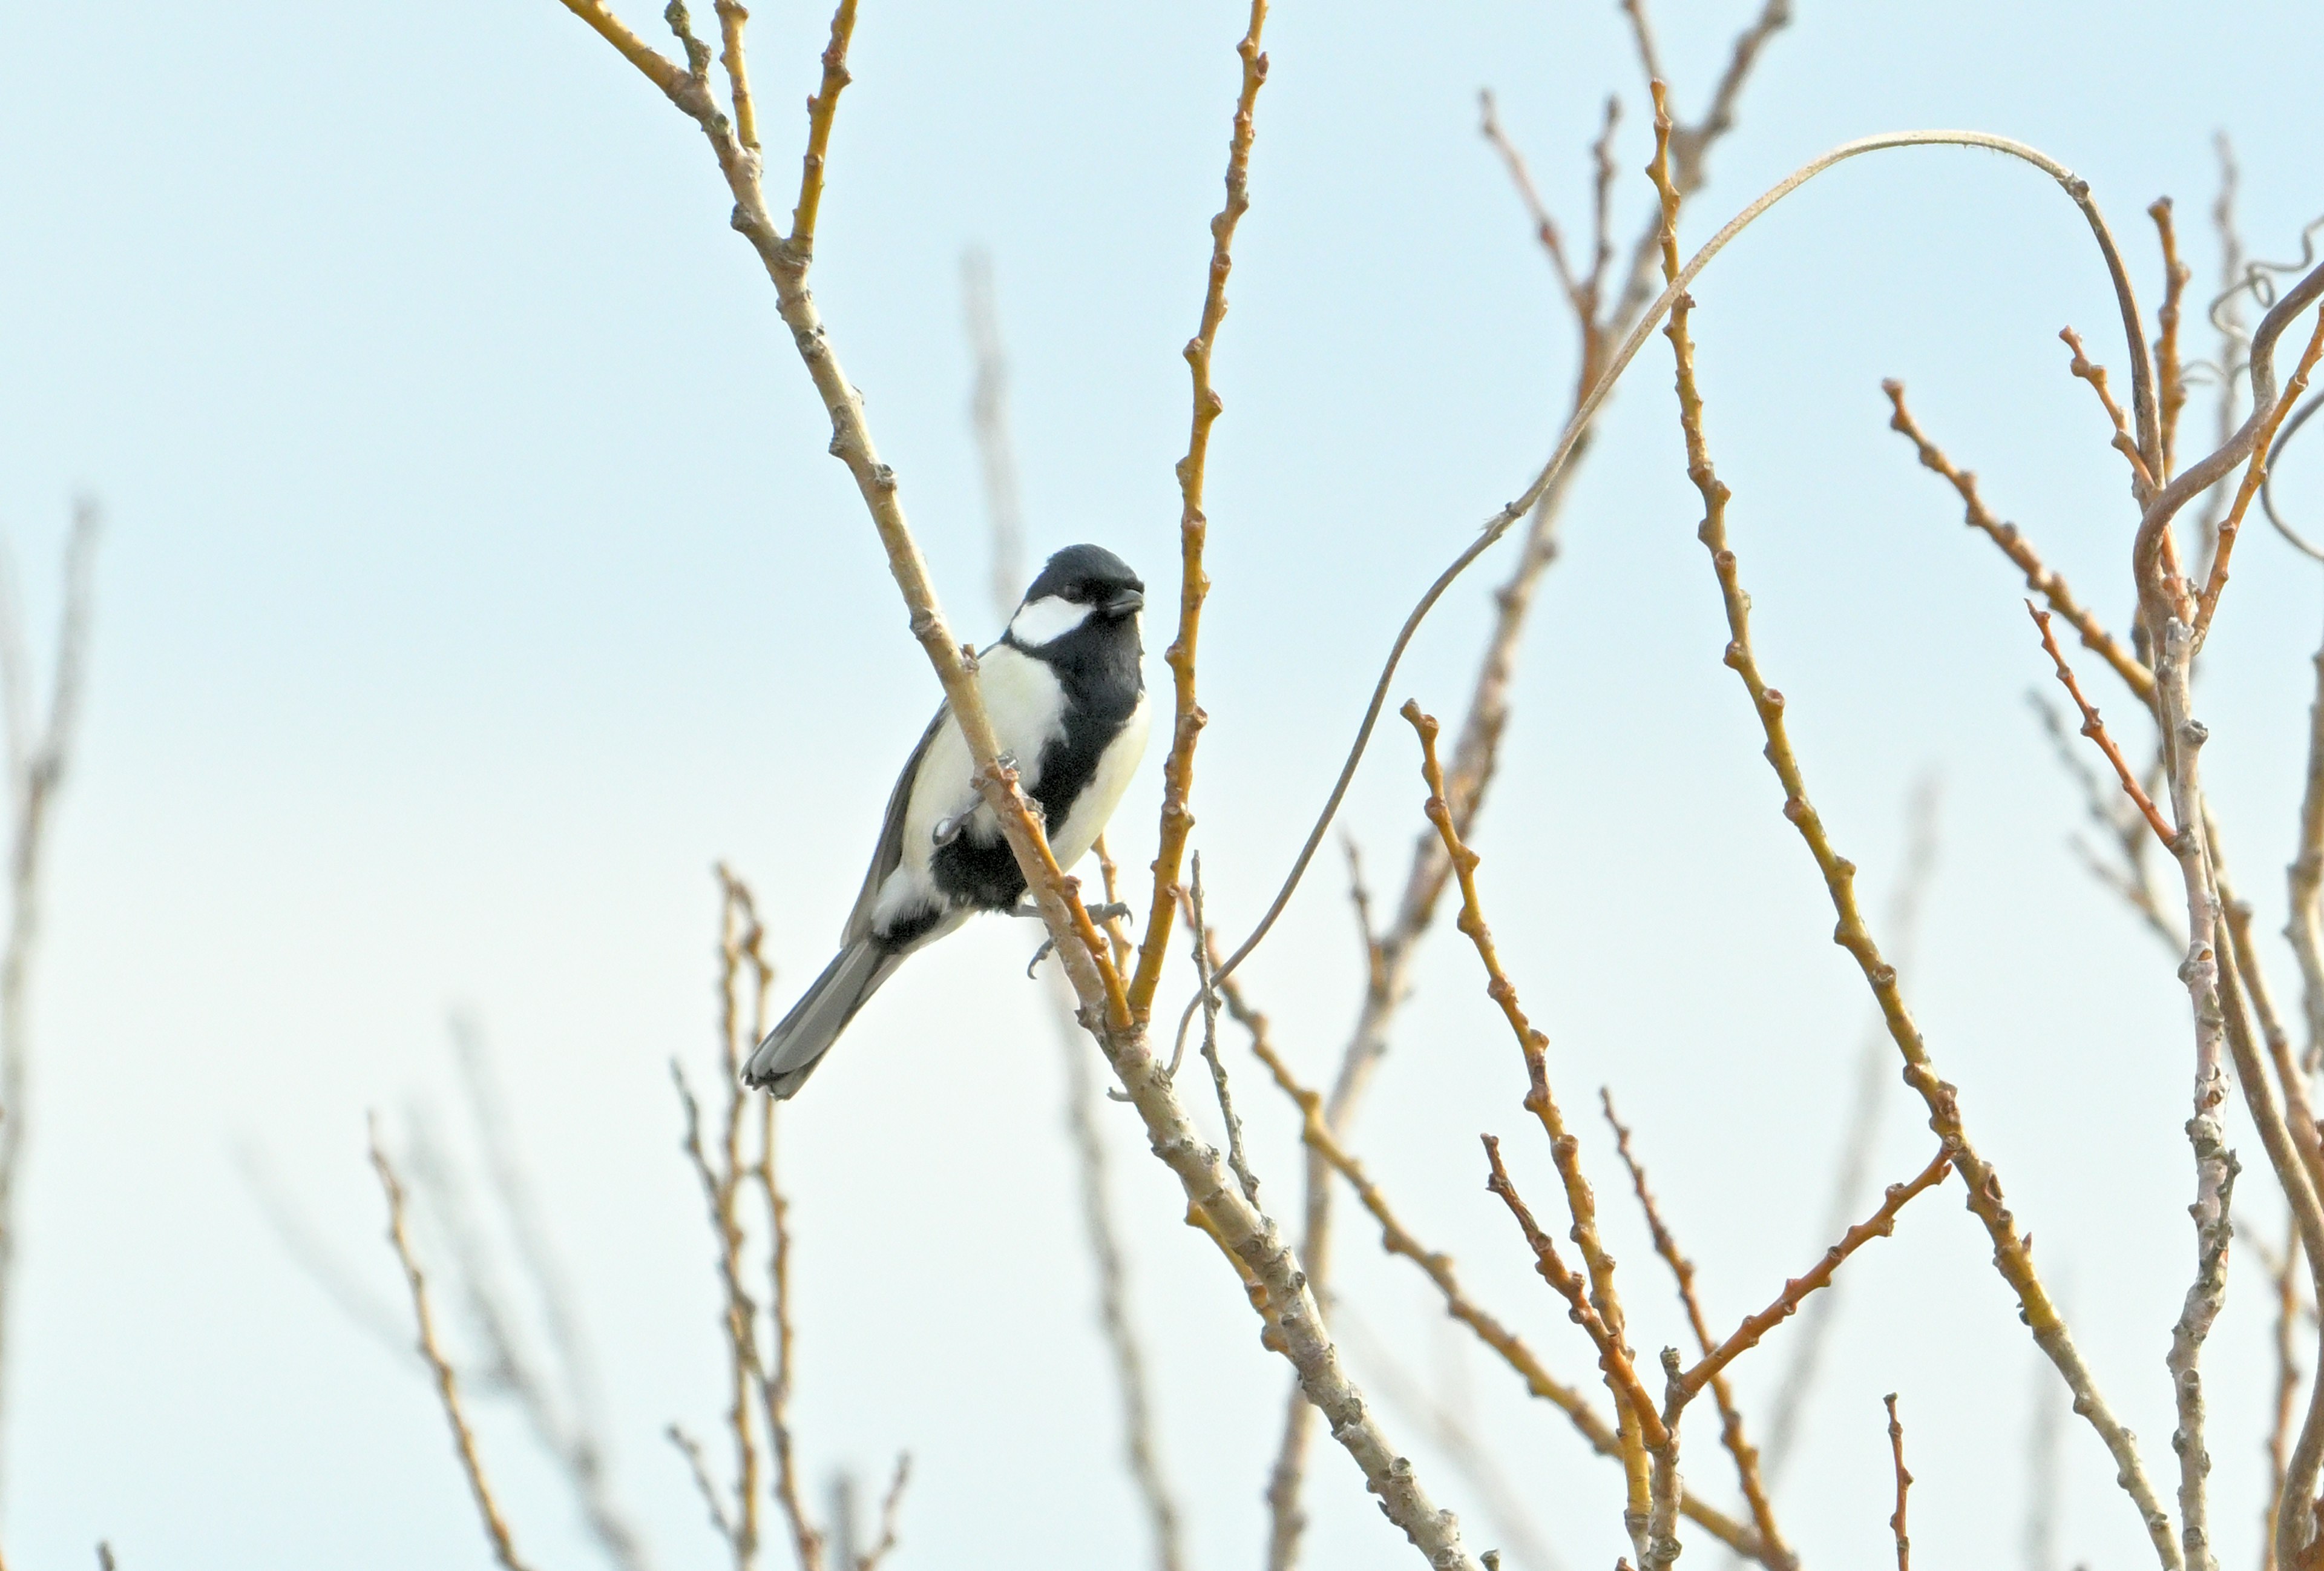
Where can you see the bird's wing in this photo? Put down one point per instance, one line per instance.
(890, 853)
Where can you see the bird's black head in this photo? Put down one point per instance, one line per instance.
(1084, 592)
(1091, 576)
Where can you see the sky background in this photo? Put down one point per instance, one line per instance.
(474, 579)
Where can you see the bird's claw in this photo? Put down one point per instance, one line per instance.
(1039, 954)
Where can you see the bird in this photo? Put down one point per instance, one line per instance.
(1067, 694)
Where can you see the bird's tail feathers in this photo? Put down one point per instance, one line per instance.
(797, 1044)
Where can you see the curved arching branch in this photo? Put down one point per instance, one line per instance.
(2146, 557)
(1585, 411)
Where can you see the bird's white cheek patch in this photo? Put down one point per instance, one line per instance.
(1047, 620)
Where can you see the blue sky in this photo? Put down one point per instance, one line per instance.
(475, 578)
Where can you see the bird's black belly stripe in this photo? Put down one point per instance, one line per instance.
(977, 872)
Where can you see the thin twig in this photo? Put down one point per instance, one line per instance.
(1397, 1239)
(2143, 481)
(568, 1424)
(447, 1391)
(2125, 829)
(1903, 1483)
(889, 1508)
(1141, 1450)
(2038, 578)
(2171, 382)
(1544, 227)
(2011, 1255)
(1621, 1373)
(2285, 1274)
(1476, 751)
(1193, 529)
(1640, 1434)
(989, 414)
(39, 750)
(775, 1386)
(738, 1321)
(1852, 1172)
(1778, 1555)
(691, 1449)
(2095, 729)
(2225, 315)
(2304, 879)
(1879, 1225)
(1227, 1114)
(2254, 476)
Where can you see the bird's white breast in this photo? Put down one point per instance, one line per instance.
(1027, 707)
(1085, 820)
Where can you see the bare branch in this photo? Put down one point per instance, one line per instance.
(1613, 1358)
(990, 410)
(691, 1449)
(2293, 1150)
(1452, 1424)
(2038, 578)
(1142, 1449)
(1640, 1432)
(1193, 529)
(775, 1385)
(989, 413)
(1397, 1239)
(1235, 1159)
(39, 752)
(2171, 385)
(2254, 476)
(1903, 1483)
(1572, 438)
(1778, 1554)
(2285, 1272)
(1852, 1173)
(1476, 751)
(889, 1508)
(2142, 478)
(448, 1394)
(2095, 729)
(2011, 1255)
(1879, 1225)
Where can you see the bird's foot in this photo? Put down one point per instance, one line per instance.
(1039, 954)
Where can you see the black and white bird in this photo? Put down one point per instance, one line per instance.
(1068, 700)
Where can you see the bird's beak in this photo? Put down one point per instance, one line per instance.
(1123, 604)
